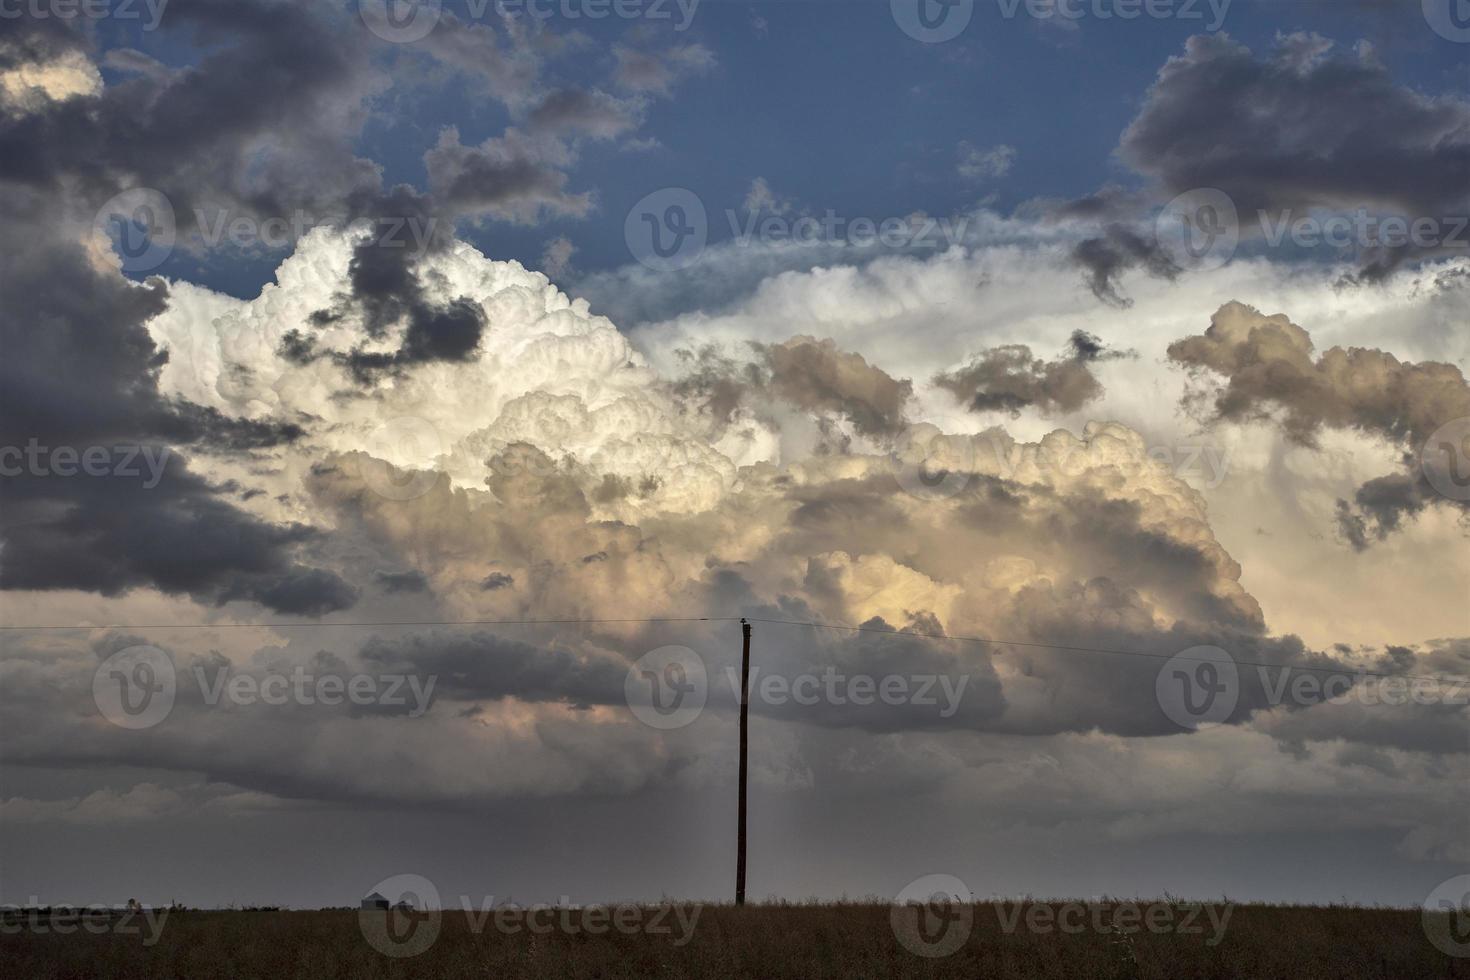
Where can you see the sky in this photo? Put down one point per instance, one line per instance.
(401, 405)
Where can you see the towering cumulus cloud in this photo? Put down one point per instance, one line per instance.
(550, 473)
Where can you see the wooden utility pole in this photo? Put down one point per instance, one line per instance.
(744, 725)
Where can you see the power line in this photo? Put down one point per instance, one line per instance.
(360, 624)
(918, 634)
(1105, 650)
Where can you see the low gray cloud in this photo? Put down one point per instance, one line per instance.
(1105, 259)
(1271, 372)
(807, 373)
(1269, 364)
(513, 176)
(476, 665)
(655, 70)
(1009, 379)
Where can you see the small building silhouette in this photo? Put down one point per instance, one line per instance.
(375, 901)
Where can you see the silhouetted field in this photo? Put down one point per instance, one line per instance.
(848, 941)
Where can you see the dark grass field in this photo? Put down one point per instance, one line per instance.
(848, 941)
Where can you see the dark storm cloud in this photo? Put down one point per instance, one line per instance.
(1124, 548)
(1270, 371)
(513, 177)
(1435, 728)
(263, 109)
(1110, 203)
(1304, 127)
(386, 291)
(1073, 686)
(273, 105)
(111, 534)
(81, 371)
(1380, 506)
(837, 679)
(484, 666)
(497, 580)
(31, 40)
(395, 582)
(1119, 249)
(1077, 687)
(1009, 379)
